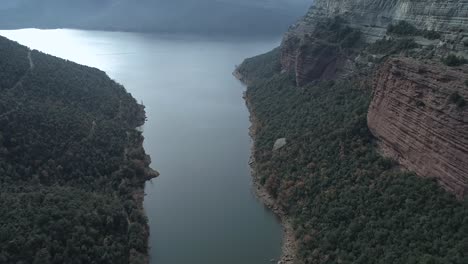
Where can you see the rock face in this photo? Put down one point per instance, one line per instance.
(418, 116)
(371, 17)
(411, 113)
(311, 60)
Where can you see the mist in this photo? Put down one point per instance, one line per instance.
(242, 17)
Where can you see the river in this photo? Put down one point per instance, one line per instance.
(201, 209)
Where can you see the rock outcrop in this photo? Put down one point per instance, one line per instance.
(312, 61)
(320, 55)
(279, 143)
(372, 18)
(420, 117)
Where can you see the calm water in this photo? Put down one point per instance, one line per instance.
(201, 209)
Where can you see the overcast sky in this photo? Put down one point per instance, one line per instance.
(227, 16)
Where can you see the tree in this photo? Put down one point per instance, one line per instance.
(42, 257)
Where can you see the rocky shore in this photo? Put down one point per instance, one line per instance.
(289, 246)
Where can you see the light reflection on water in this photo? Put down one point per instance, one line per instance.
(201, 209)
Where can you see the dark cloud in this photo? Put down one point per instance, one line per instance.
(196, 16)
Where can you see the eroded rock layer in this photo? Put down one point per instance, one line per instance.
(371, 18)
(419, 115)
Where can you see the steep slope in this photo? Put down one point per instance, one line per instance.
(72, 166)
(360, 92)
(372, 18)
(419, 122)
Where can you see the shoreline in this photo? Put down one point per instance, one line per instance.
(138, 192)
(289, 243)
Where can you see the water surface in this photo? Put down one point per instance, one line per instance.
(201, 209)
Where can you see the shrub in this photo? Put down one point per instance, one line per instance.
(351, 39)
(431, 34)
(392, 46)
(456, 98)
(403, 28)
(337, 31)
(420, 104)
(454, 60)
(261, 66)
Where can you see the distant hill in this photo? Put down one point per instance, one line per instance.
(188, 16)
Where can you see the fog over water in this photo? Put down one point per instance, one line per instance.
(201, 209)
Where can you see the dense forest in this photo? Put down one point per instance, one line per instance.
(72, 164)
(346, 202)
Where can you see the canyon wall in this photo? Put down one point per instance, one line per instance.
(331, 178)
(372, 17)
(411, 113)
(420, 118)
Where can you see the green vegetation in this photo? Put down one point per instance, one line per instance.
(431, 34)
(454, 60)
(336, 32)
(13, 64)
(348, 204)
(261, 66)
(66, 187)
(390, 46)
(404, 28)
(456, 98)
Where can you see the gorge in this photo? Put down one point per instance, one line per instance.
(358, 120)
(201, 208)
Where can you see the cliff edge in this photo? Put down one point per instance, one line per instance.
(441, 26)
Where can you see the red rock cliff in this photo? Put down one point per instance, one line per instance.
(417, 114)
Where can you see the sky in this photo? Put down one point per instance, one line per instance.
(195, 16)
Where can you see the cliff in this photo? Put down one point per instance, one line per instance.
(349, 39)
(372, 18)
(375, 121)
(418, 120)
(346, 203)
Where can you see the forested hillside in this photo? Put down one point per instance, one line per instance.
(347, 203)
(71, 163)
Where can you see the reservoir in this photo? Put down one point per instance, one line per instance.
(202, 208)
